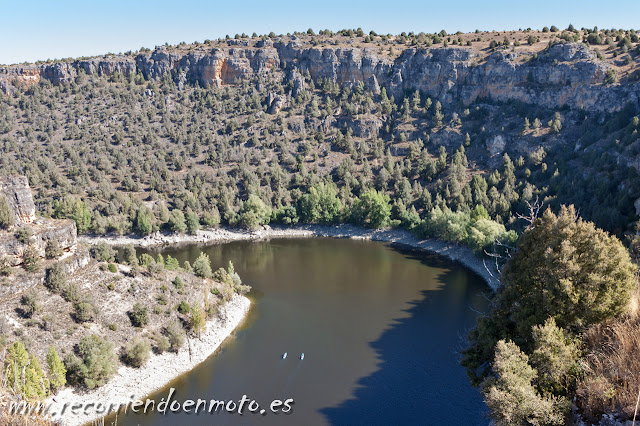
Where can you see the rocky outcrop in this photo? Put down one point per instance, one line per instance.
(275, 103)
(363, 127)
(496, 145)
(62, 231)
(17, 192)
(565, 74)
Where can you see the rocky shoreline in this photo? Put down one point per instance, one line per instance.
(131, 384)
(483, 267)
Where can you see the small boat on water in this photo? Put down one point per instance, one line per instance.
(302, 356)
(284, 355)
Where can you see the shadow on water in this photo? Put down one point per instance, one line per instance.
(418, 380)
(382, 327)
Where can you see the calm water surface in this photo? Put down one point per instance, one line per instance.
(381, 329)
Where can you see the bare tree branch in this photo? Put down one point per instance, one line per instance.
(534, 211)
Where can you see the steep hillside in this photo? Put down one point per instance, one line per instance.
(198, 128)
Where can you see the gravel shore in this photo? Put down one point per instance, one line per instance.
(481, 266)
(131, 384)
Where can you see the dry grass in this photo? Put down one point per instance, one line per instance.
(612, 367)
(18, 420)
(8, 419)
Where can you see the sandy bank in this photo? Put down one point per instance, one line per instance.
(483, 267)
(135, 383)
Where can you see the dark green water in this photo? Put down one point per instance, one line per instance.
(381, 329)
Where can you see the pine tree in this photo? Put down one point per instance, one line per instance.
(202, 266)
(129, 255)
(197, 321)
(144, 221)
(554, 357)
(7, 218)
(57, 371)
(15, 362)
(171, 263)
(177, 222)
(510, 395)
(467, 140)
(31, 259)
(36, 384)
(565, 269)
(192, 222)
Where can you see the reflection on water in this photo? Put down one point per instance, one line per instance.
(381, 329)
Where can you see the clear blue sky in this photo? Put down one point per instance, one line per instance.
(38, 30)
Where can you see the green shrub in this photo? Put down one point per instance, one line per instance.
(146, 260)
(254, 212)
(31, 259)
(30, 304)
(510, 395)
(176, 336)
(5, 267)
(371, 209)
(162, 343)
(129, 255)
(137, 352)
(202, 266)
(555, 358)
(184, 308)
(177, 221)
(93, 363)
(178, 283)
(321, 204)
(85, 311)
(24, 234)
(193, 222)
(592, 282)
(52, 250)
(138, 315)
(171, 263)
(103, 252)
(112, 268)
(71, 293)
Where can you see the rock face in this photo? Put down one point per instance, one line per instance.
(496, 145)
(18, 194)
(275, 103)
(565, 74)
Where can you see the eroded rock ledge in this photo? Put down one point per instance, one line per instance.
(565, 74)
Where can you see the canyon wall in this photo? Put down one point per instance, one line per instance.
(565, 74)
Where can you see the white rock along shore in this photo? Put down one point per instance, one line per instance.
(132, 384)
(483, 267)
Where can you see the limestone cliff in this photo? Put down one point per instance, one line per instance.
(565, 74)
(17, 191)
